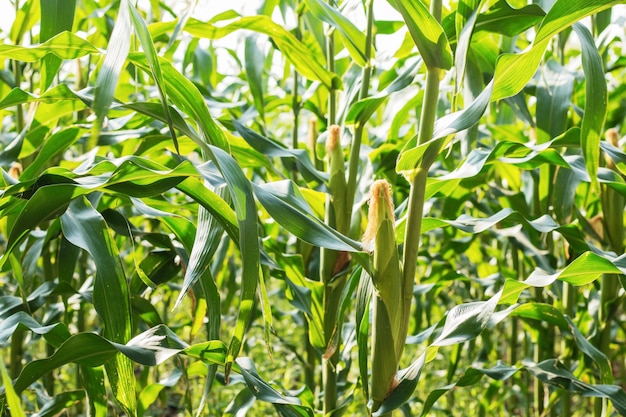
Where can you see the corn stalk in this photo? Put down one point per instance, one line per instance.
(613, 209)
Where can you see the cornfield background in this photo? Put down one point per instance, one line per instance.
(308, 209)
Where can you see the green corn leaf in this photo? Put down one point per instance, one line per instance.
(59, 92)
(469, 224)
(182, 21)
(286, 406)
(550, 372)
(114, 60)
(271, 148)
(595, 101)
(54, 145)
(84, 348)
(214, 204)
(465, 22)
(93, 381)
(426, 32)
(245, 208)
(12, 397)
(423, 155)
(212, 352)
(208, 236)
(55, 334)
(133, 176)
(26, 17)
(88, 349)
(466, 321)
(294, 50)
(583, 270)
(361, 111)
(408, 378)
(148, 396)
(84, 227)
(155, 67)
(185, 95)
(599, 358)
(554, 373)
(554, 94)
(255, 64)
(541, 312)
(353, 39)
(363, 302)
(287, 206)
(60, 402)
(513, 71)
(56, 16)
(506, 20)
(240, 404)
(65, 45)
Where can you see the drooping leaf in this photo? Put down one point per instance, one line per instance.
(506, 20)
(295, 51)
(255, 63)
(12, 397)
(595, 101)
(272, 149)
(114, 60)
(583, 270)
(352, 37)
(57, 16)
(155, 67)
(65, 45)
(426, 32)
(513, 71)
(287, 206)
(84, 227)
(287, 406)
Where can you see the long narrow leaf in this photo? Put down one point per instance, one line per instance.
(352, 37)
(155, 66)
(84, 227)
(426, 32)
(114, 60)
(595, 101)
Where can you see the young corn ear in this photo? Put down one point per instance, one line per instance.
(333, 263)
(388, 342)
(337, 181)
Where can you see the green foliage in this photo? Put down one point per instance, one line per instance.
(170, 241)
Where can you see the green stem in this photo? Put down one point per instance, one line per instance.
(569, 305)
(613, 209)
(19, 117)
(417, 197)
(334, 286)
(417, 193)
(311, 359)
(295, 104)
(330, 65)
(17, 352)
(355, 150)
(538, 357)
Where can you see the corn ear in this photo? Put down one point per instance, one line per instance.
(337, 181)
(333, 263)
(388, 341)
(335, 203)
(312, 143)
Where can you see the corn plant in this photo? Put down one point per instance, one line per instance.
(309, 207)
